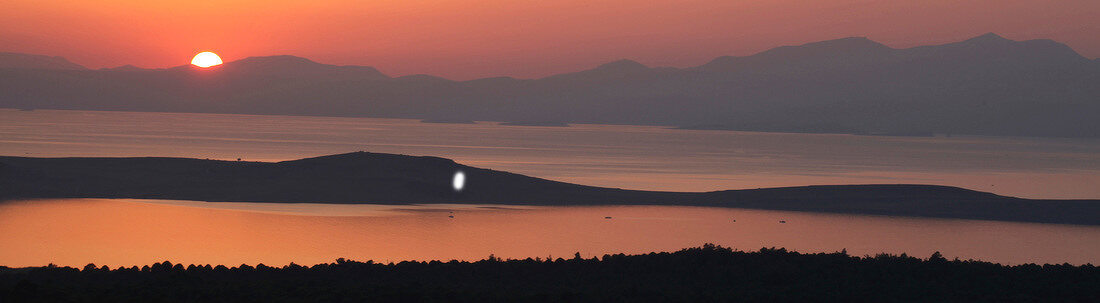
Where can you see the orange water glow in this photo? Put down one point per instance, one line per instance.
(75, 232)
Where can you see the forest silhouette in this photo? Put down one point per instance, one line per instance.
(707, 273)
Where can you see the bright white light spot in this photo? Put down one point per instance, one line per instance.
(206, 59)
(459, 180)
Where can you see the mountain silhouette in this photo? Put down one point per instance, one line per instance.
(986, 85)
(291, 66)
(841, 53)
(397, 179)
(28, 61)
(125, 68)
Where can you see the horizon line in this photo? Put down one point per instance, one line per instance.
(992, 34)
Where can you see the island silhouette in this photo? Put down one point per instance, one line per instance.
(378, 178)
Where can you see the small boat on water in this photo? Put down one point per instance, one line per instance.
(451, 216)
(607, 217)
(782, 221)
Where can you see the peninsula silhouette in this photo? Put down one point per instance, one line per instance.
(376, 178)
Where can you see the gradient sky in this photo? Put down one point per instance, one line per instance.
(482, 38)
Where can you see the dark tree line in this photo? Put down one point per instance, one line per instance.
(708, 273)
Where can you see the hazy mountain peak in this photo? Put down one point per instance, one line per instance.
(294, 65)
(623, 65)
(849, 44)
(990, 46)
(988, 37)
(857, 41)
(851, 47)
(422, 77)
(30, 61)
(279, 60)
(610, 70)
(989, 40)
(719, 60)
(124, 68)
(849, 51)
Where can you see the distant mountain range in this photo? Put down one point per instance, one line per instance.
(398, 179)
(987, 85)
(28, 61)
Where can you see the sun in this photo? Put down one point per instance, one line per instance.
(206, 59)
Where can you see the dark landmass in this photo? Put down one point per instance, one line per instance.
(448, 121)
(536, 123)
(397, 179)
(706, 274)
(124, 68)
(987, 85)
(28, 61)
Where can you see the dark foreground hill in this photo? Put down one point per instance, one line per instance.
(398, 179)
(706, 274)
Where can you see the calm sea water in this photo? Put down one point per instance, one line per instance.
(126, 232)
(635, 157)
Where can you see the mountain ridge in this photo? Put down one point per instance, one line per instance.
(855, 43)
(986, 85)
(33, 61)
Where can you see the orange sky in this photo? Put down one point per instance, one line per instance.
(525, 38)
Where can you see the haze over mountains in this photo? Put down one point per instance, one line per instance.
(987, 85)
(28, 61)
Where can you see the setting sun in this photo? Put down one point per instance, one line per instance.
(206, 59)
